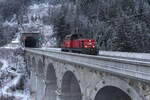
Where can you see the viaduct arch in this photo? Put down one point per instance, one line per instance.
(111, 93)
(115, 85)
(70, 87)
(51, 83)
(52, 76)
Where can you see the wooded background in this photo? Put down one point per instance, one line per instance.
(117, 25)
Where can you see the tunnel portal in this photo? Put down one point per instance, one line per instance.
(30, 42)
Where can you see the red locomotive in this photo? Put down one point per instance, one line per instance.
(75, 43)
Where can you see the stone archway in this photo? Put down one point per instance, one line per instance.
(111, 93)
(70, 88)
(40, 81)
(116, 85)
(51, 83)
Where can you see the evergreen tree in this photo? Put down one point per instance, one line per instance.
(61, 29)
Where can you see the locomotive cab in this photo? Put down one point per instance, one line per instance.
(73, 37)
(76, 43)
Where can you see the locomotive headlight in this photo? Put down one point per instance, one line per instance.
(90, 40)
(93, 46)
(89, 43)
(86, 46)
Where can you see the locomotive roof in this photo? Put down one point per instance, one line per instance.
(73, 34)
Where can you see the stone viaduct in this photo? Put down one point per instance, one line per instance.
(56, 75)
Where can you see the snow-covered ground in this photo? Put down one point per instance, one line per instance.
(13, 70)
(12, 74)
(55, 49)
(36, 15)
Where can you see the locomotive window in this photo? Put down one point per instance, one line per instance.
(74, 37)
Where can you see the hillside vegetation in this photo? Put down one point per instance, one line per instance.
(120, 25)
(117, 25)
(10, 12)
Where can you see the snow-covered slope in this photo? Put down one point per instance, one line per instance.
(13, 70)
(13, 83)
(34, 21)
(36, 16)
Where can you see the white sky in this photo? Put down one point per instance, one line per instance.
(2, 0)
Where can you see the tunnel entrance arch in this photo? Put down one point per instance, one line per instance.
(30, 42)
(112, 93)
(51, 83)
(70, 87)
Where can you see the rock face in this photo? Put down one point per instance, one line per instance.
(7, 33)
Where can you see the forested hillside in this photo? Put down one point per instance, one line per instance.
(10, 12)
(120, 25)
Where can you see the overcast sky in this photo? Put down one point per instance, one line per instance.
(2, 0)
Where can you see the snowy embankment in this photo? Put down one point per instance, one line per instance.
(12, 74)
(13, 70)
(144, 56)
(54, 49)
(38, 16)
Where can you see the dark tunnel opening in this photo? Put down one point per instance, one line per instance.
(30, 42)
(111, 93)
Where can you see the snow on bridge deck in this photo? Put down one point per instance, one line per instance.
(141, 56)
